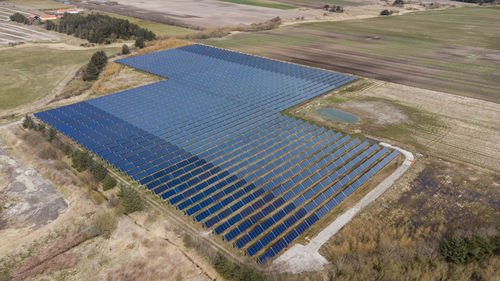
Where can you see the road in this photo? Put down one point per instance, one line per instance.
(300, 258)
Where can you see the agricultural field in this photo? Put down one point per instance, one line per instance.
(261, 3)
(29, 73)
(36, 4)
(191, 13)
(452, 50)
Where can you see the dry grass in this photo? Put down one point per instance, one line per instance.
(400, 239)
(164, 45)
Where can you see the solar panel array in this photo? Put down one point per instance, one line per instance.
(211, 141)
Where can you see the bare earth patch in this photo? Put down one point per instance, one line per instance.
(26, 197)
(378, 112)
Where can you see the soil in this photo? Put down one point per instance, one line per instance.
(377, 112)
(26, 198)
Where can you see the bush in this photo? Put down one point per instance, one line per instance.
(52, 134)
(337, 9)
(398, 3)
(28, 123)
(40, 127)
(99, 172)
(231, 271)
(18, 17)
(108, 183)
(139, 43)
(105, 223)
(386, 13)
(131, 199)
(125, 50)
(461, 250)
(96, 196)
(81, 160)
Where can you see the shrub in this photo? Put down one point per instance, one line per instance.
(81, 160)
(386, 13)
(96, 196)
(108, 183)
(28, 122)
(398, 3)
(131, 199)
(52, 134)
(99, 172)
(337, 9)
(125, 49)
(105, 222)
(461, 250)
(40, 127)
(18, 17)
(139, 43)
(231, 271)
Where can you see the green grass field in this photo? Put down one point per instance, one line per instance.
(261, 3)
(160, 29)
(454, 50)
(27, 74)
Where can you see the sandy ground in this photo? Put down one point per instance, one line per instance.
(300, 258)
(371, 110)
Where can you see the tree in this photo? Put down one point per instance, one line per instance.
(125, 49)
(28, 122)
(131, 199)
(398, 3)
(455, 250)
(386, 13)
(91, 72)
(139, 43)
(108, 183)
(81, 160)
(98, 171)
(100, 60)
(326, 7)
(18, 17)
(52, 134)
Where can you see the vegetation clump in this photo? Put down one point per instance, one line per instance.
(97, 63)
(232, 271)
(18, 17)
(99, 172)
(81, 160)
(108, 183)
(462, 250)
(99, 28)
(398, 3)
(386, 12)
(131, 199)
(139, 43)
(125, 50)
(337, 9)
(28, 122)
(104, 223)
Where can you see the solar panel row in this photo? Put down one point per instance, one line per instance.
(211, 141)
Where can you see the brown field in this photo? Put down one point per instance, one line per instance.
(416, 49)
(209, 13)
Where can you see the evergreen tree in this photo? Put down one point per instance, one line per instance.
(108, 183)
(28, 122)
(81, 160)
(99, 59)
(125, 49)
(91, 72)
(139, 43)
(131, 199)
(98, 171)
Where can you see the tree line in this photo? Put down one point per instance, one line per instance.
(99, 28)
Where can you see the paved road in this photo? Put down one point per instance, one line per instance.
(300, 258)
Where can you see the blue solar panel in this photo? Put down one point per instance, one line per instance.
(212, 141)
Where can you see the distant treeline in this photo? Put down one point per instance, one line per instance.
(99, 28)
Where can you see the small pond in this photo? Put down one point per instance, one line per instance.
(337, 115)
